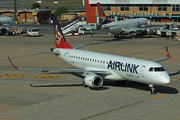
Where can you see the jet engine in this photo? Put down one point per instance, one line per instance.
(144, 32)
(93, 80)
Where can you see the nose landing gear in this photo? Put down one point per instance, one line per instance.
(153, 87)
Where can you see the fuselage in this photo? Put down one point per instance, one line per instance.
(125, 26)
(6, 23)
(122, 68)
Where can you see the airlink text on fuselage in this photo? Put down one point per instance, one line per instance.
(125, 67)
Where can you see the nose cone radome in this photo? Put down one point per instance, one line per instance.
(166, 79)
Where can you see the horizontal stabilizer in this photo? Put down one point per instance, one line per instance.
(166, 58)
(41, 51)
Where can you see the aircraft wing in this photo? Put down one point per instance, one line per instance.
(166, 58)
(62, 70)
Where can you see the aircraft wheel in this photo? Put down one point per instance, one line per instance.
(117, 36)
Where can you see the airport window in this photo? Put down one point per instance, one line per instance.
(106, 7)
(162, 8)
(175, 8)
(124, 7)
(143, 7)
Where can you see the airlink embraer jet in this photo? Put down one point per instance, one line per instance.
(95, 67)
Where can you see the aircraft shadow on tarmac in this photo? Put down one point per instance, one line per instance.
(144, 87)
(129, 84)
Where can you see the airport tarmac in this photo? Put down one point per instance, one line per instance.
(34, 95)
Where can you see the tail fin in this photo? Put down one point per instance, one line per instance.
(58, 35)
(167, 53)
(102, 16)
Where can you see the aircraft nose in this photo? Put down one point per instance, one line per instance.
(165, 79)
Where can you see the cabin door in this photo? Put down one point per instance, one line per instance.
(142, 70)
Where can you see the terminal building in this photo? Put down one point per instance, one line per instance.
(35, 16)
(116, 10)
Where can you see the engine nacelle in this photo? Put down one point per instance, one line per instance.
(93, 80)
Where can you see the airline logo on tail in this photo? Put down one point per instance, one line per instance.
(58, 36)
(102, 16)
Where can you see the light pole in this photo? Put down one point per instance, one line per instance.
(15, 9)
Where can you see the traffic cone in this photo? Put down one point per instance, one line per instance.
(94, 42)
(72, 37)
(133, 37)
(85, 34)
(21, 36)
(169, 38)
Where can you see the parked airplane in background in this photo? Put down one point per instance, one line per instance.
(95, 67)
(122, 27)
(6, 23)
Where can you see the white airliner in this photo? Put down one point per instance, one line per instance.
(6, 23)
(95, 67)
(138, 25)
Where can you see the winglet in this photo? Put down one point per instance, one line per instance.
(167, 53)
(12, 63)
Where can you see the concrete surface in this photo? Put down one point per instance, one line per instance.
(33, 95)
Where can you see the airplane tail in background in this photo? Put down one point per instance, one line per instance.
(102, 16)
(58, 35)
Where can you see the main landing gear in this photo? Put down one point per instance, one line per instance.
(116, 36)
(153, 87)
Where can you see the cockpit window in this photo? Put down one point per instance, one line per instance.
(156, 69)
(150, 69)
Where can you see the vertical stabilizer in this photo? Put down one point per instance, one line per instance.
(58, 35)
(102, 16)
